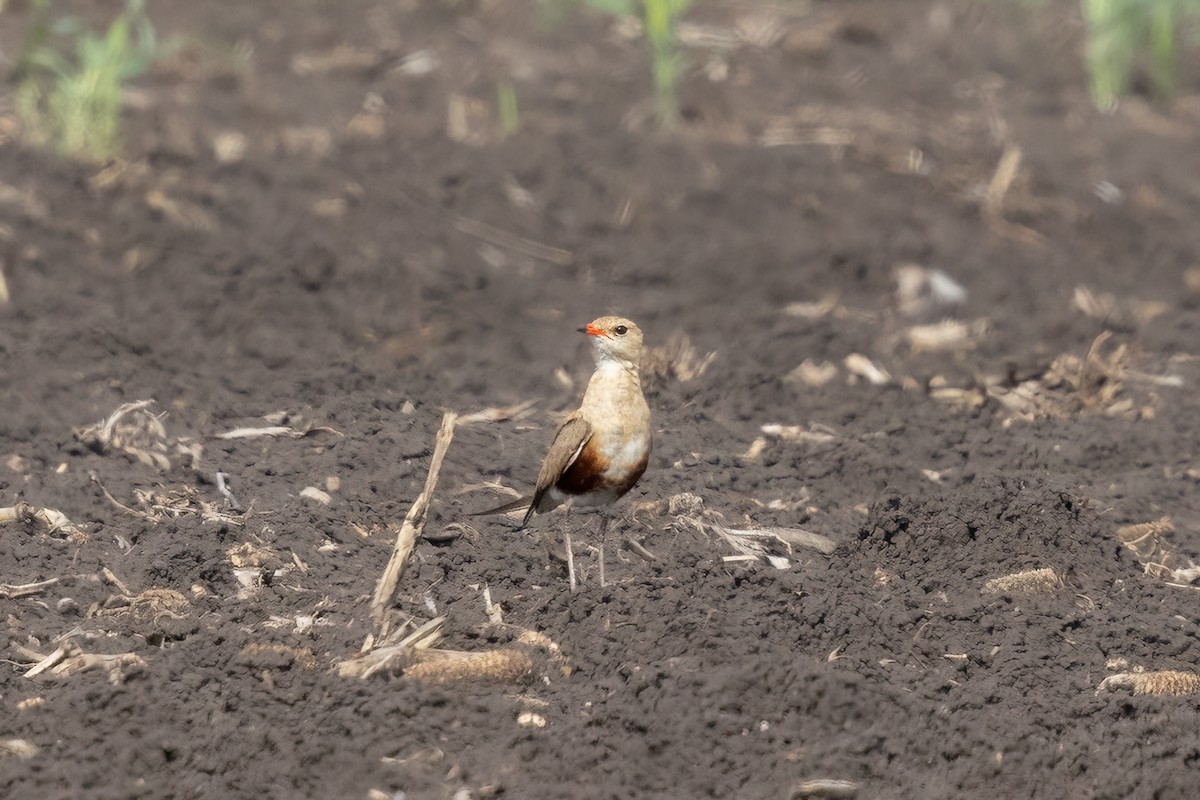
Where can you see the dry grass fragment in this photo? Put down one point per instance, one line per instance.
(827, 306)
(276, 430)
(414, 656)
(796, 538)
(1159, 559)
(517, 244)
(131, 429)
(676, 359)
(53, 522)
(155, 505)
(812, 436)
(773, 544)
(1101, 382)
(13, 591)
(1145, 538)
(755, 449)
(342, 58)
(69, 660)
(158, 609)
(860, 366)
(18, 748)
(1029, 583)
(811, 373)
(1163, 683)
(1107, 307)
(824, 787)
(965, 399)
(253, 556)
(1002, 180)
(783, 135)
(503, 414)
(117, 665)
(390, 652)
(505, 665)
(408, 532)
(252, 564)
(946, 335)
(531, 719)
(184, 214)
(923, 290)
(1097, 379)
(1093, 383)
(797, 434)
(316, 495)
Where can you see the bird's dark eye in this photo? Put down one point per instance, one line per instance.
(621, 330)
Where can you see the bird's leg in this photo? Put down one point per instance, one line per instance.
(567, 544)
(603, 531)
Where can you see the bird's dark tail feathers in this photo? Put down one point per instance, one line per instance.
(521, 502)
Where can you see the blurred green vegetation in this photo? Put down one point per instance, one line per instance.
(659, 20)
(506, 102)
(1122, 32)
(69, 78)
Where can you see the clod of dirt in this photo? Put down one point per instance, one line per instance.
(276, 656)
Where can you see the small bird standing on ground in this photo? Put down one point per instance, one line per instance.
(601, 449)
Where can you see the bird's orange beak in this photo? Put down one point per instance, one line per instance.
(592, 330)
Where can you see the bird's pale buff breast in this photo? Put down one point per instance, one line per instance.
(615, 457)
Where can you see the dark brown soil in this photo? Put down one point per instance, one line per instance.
(379, 251)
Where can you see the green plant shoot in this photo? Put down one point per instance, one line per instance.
(74, 102)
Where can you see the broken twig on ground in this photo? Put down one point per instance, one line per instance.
(12, 592)
(414, 521)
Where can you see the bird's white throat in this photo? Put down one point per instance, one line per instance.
(610, 366)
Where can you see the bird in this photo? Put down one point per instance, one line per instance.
(601, 449)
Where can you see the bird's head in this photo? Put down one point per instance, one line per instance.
(616, 339)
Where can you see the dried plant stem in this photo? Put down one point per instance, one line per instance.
(414, 521)
(12, 592)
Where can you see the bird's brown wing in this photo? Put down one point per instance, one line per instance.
(569, 441)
